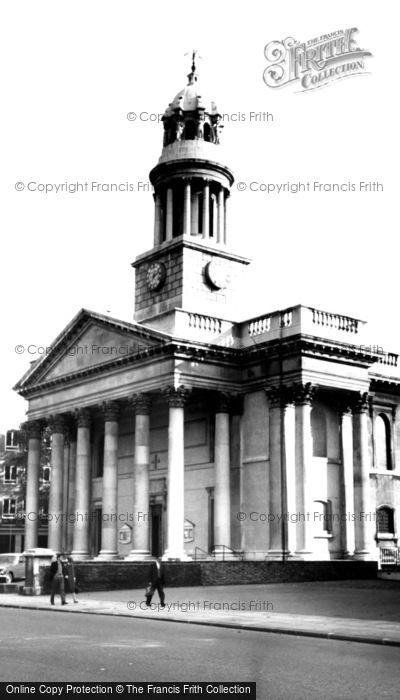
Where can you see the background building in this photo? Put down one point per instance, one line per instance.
(13, 458)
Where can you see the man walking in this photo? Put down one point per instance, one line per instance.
(71, 578)
(156, 582)
(57, 578)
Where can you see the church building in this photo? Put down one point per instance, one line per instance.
(190, 433)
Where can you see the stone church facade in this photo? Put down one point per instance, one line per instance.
(189, 433)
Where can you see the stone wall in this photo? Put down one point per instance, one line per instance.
(106, 576)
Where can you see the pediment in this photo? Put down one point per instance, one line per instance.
(88, 342)
(96, 346)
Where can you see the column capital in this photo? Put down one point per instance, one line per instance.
(303, 394)
(33, 429)
(110, 410)
(69, 428)
(362, 402)
(344, 405)
(57, 423)
(176, 397)
(223, 402)
(141, 404)
(83, 417)
(279, 396)
(237, 405)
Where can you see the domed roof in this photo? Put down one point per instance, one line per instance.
(191, 97)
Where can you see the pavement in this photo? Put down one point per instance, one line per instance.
(359, 611)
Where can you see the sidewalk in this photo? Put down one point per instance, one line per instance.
(293, 608)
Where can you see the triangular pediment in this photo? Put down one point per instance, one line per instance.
(91, 341)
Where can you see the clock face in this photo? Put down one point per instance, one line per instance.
(156, 274)
(217, 274)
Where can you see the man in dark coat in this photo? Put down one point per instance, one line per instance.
(57, 579)
(156, 582)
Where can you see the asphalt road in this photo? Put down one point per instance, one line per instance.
(49, 646)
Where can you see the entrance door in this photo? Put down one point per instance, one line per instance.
(156, 529)
(96, 532)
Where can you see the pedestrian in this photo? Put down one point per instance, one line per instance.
(57, 578)
(71, 578)
(156, 582)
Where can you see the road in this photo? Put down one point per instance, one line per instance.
(52, 646)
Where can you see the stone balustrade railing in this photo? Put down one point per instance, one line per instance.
(296, 320)
(205, 323)
(340, 323)
(300, 319)
(389, 358)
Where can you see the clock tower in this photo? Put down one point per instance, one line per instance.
(190, 267)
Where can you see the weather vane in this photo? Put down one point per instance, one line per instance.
(195, 57)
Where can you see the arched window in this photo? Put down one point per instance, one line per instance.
(207, 132)
(383, 442)
(189, 131)
(318, 429)
(385, 520)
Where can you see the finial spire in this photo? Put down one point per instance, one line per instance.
(192, 76)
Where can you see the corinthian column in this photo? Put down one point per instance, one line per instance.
(71, 488)
(176, 464)
(303, 397)
(82, 486)
(33, 430)
(346, 435)
(276, 400)
(109, 525)
(56, 516)
(222, 492)
(364, 523)
(65, 486)
(141, 523)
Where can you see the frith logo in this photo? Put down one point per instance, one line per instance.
(314, 63)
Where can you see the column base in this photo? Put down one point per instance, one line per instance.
(221, 554)
(348, 555)
(78, 555)
(106, 555)
(31, 590)
(364, 555)
(276, 555)
(306, 555)
(175, 555)
(138, 555)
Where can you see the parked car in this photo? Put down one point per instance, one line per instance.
(12, 567)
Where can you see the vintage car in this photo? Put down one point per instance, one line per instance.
(12, 567)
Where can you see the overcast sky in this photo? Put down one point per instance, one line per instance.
(75, 69)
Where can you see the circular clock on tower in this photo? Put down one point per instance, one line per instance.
(217, 274)
(156, 274)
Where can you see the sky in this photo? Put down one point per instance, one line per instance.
(76, 69)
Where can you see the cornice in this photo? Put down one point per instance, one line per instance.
(181, 242)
